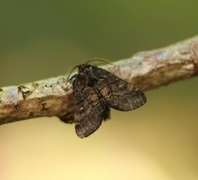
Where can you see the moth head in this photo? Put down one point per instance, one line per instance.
(81, 67)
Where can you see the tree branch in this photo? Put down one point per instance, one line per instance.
(145, 70)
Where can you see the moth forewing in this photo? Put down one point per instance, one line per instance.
(118, 93)
(89, 110)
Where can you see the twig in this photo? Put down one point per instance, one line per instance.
(145, 70)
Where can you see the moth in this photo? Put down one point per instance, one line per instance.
(96, 90)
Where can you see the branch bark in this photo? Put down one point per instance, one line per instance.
(145, 70)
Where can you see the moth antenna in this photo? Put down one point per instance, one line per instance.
(99, 59)
(70, 71)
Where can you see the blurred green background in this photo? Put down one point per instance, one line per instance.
(42, 39)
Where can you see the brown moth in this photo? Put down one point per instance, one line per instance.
(95, 91)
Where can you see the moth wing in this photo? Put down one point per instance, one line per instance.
(118, 93)
(89, 111)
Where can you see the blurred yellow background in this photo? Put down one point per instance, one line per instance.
(42, 39)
